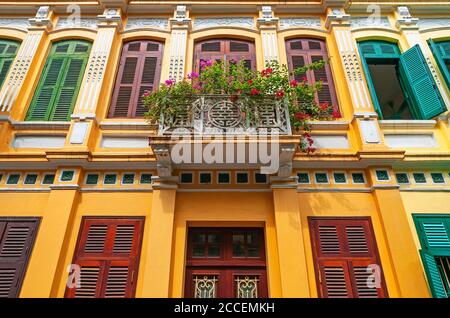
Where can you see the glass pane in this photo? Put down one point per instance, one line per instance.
(238, 238)
(199, 238)
(198, 251)
(213, 251)
(238, 251)
(214, 238)
(253, 251)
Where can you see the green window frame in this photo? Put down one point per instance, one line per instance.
(416, 80)
(8, 51)
(434, 236)
(441, 52)
(57, 90)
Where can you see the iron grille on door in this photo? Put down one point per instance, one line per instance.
(17, 237)
(346, 258)
(107, 252)
(139, 71)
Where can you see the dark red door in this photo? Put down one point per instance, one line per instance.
(226, 263)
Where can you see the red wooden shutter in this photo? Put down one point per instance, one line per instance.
(16, 241)
(139, 70)
(225, 49)
(343, 249)
(108, 252)
(301, 52)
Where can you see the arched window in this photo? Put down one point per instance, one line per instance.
(401, 84)
(441, 52)
(57, 90)
(139, 71)
(8, 50)
(226, 50)
(304, 51)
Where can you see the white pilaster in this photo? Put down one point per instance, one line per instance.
(180, 26)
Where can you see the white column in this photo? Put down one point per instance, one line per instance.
(180, 26)
(268, 26)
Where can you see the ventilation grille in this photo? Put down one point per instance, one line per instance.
(296, 45)
(134, 47)
(239, 47)
(211, 47)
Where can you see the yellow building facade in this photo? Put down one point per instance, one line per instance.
(93, 205)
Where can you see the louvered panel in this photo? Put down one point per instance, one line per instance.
(140, 107)
(314, 45)
(129, 70)
(7, 280)
(96, 238)
(335, 282)
(152, 47)
(436, 234)
(14, 244)
(296, 45)
(123, 102)
(62, 48)
(117, 282)
(148, 75)
(356, 240)
(298, 61)
(2, 47)
(89, 282)
(12, 49)
(364, 283)
(329, 240)
(123, 241)
(211, 47)
(5, 63)
(134, 47)
(239, 47)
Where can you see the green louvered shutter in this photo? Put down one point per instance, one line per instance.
(433, 275)
(8, 50)
(376, 50)
(441, 52)
(425, 99)
(61, 78)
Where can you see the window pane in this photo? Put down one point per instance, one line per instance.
(198, 251)
(199, 238)
(213, 251)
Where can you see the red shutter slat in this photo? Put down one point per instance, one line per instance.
(108, 252)
(343, 249)
(17, 237)
(140, 66)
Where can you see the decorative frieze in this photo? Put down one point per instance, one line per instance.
(76, 23)
(42, 18)
(359, 22)
(428, 23)
(139, 23)
(19, 23)
(243, 22)
(286, 23)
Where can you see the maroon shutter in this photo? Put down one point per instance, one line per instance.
(16, 242)
(225, 49)
(343, 248)
(301, 52)
(108, 252)
(139, 70)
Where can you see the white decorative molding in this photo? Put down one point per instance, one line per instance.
(410, 140)
(79, 132)
(19, 70)
(111, 16)
(286, 23)
(353, 70)
(68, 22)
(42, 17)
(404, 17)
(336, 15)
(38, 141)
(244, 22)
(95, 69)
(177, 54)
(267, 17)
(358, 22)
(124, 142)
(139, 23)
(19, 23)
(407, 124)
(428, 23)
(270, 45)
(331, 141)
(370, 131)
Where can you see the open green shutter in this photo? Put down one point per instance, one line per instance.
(441, 52)
(434, 233)
(433, 275)
(8, 50)
(58, 87)
(426, 101)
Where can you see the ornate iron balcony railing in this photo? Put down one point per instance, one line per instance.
(220, 114)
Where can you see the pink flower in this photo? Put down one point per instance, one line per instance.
(209, 63)
(279, 94)
(294, 83)
(266, 72)
(336, 114)
(146, 94)
(192, 75)
(169, 82)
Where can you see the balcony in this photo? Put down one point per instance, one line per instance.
(220, 114)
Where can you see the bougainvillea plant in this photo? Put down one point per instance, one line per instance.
(249, 87)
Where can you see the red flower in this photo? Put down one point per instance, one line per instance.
(324, 106)
(279, 94)
(304, 79)
(294, 83)
(335, 114)
(311, 149)
(302, 116)
(266, 72)
(254, 91)
(250, 82)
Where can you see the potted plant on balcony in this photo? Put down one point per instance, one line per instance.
(247, 90)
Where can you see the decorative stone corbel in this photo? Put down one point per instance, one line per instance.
(287, 152)
(42, 18)
(181, 18)
(404, 18)
(267, 18)
(110, 17)
(163, 160)
(336, 15)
